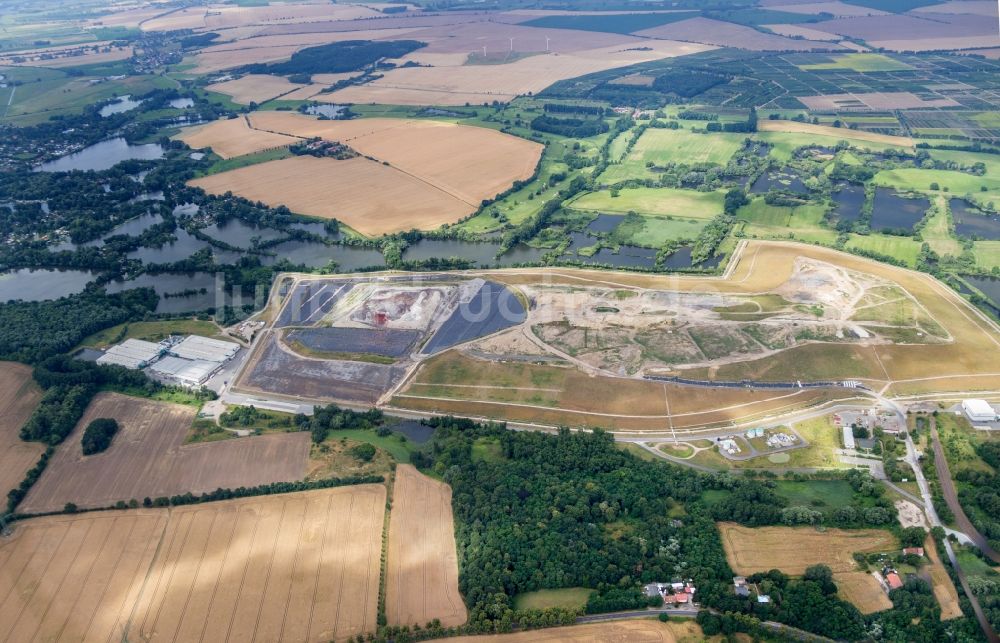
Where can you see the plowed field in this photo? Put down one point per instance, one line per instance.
(148, 457)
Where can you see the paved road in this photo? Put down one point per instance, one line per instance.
(951, 497)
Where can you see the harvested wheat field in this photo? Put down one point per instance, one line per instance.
(19, 395)
(643, 631)
(255, 88)
(474, 84)
(944, 590)
(264, 49)
(469, 163)
(422, 567)
(371, 198)
(793, 549)
(294, 567)
(825, 130)
(148, 457)
(863, 591)
(75, 578)
(232, 137)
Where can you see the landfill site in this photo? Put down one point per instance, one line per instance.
(354, 340)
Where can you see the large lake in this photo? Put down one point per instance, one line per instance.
(28, 284)
(103, 155)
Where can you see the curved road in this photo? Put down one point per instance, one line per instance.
(951, 497)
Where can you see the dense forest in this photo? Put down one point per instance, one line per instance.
(34, 330)
(537, 511)
(337, 57)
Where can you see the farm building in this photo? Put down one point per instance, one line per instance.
(979, 411)
(194, 347)
(132, 353)
(894, 581)
(186, 372)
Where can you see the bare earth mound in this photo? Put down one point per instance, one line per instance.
(148, 458)
(296, 567)
(232, 137)
(371, 198)
(422, 569)
(19, 395)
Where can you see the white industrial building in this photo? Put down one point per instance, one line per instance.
(190, 361)
(194, 347)
(979, 411)
(186, 372)
(132, 353)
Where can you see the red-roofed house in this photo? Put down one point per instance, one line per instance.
(916, 551)
(894, 581)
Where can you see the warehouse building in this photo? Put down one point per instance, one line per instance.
(185, 372)
(194, 347)
(979, 411)
(132, 353)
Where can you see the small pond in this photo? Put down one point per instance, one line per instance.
(330, 111)
(103, 155)
(173, 283)
(123, 104)
(317, 255)
(29, 284)
(783, 181)
(181, 103)
(849, 199)
(185, 246)
(989, 286)
(970, 222)
(681, 258)
(605, 223)
(414, 431)
(240, 235)
(892, 211)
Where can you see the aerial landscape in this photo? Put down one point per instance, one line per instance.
(504, 320)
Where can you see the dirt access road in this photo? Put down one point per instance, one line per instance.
(951, 497)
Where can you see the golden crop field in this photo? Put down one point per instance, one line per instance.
(794, 127)
(457, 85)
(944, 589)
(863, 591)
(793, 549)
(422, 567)
(19, 395)
(232, 137)
(469, 163)
(295, 567)
(640, 631)
(371, 198)
(255, 88)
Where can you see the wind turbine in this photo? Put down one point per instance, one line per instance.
(546, 43)
(511, 45)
